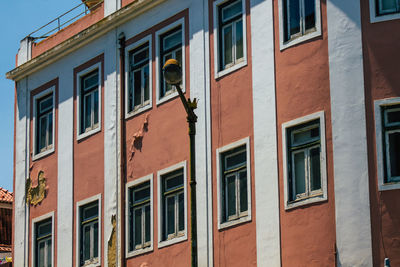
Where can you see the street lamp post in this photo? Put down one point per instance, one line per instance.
(173, 75)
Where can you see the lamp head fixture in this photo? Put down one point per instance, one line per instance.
(172, 72)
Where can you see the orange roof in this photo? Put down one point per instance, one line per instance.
(6, 196)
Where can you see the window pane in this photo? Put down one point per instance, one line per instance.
(90, 81)
(137, 83)
(172, 40)
(96, 106)
(141, 194)
(231, 195)
(394, 152)
(49, 252)
(46, 104)
(43, 130)
(305, 136)
(170, 215)
(146, 83)
(235, 160)
(315, 168)
(299, 173)
(86, 242)
(181, 214)
(227, 42)
(173, 183)
(232, 11)
(141, 56)
(309, 12)
(44, 229)
(138, 227)
(90, 212)
(294, 13)
(96, 240)
(388, 5)
(88, 108)
(239, 39)
(243, 190)
(393, 116)
(147, 223)
(50, 129)
(42, 254)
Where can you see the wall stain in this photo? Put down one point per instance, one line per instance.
(137, 138)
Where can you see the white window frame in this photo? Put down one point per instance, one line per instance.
(378, 104)
(174, 93)
(312, 198)
(221, 223)
(128, 49)
(34, 222)
(79, 75)
(36, 97)
(374, 18)
(302, 38)
(164, 243)
(217, 72)
(78, 231)
(134, 183)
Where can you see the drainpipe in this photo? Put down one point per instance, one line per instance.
(121, 41)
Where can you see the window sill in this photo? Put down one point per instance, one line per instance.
(88, 133)
(305, 201)
(92, 264)
(383, 18)
(231, 69)
(169, 96)
(172, 241)
(299, 39)
(234, 222)
(133, 253)
(43, 154)
(133, 113)
(389, 186)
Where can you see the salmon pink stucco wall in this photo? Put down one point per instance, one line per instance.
(47, 164)
(232, 120)
(381, 76)
(165, 142)
(88, 173)
(69, 31)
(302, 88)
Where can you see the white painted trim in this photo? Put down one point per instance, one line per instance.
(78, 104)
(128, 49)
(374, 18)
(219, 73)
(44, 93)
(79, 204)
(34, 222)
(324, 182)
(378, 104)
(177, 166)
(305, 37)
(136, 182)
(349, 134)
(244, 141)
(158, 60)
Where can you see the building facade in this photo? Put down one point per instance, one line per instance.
(6, 200)
(297, 143)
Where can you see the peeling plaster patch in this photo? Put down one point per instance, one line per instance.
(112, 244)
(35, 195)
(137, 138)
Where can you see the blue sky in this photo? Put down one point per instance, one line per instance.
(18, 18)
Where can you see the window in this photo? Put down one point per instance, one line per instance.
(139, 77)
(300, 20)
(233, 184)
(140, 217)
(386, 7)
(44, 123)
(89, 101)
(231, 34)
(304, 160)
(43, 243)
(89, 228)
(170, 47)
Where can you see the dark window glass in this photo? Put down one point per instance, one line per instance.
(44, 124)
(299, 18)
(139, 77)
(43, 243)
(89, 233)
(89, 101)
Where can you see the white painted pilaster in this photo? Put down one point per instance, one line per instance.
(353, 225)
(65, 186)
(265, 142)
(110, 6)
(24, 51)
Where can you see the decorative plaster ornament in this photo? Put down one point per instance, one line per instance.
(35, 195)
(112, 244)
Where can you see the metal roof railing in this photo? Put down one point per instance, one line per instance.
(65, 19)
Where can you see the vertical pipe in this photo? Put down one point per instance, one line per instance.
(121, 40)
(193, 208)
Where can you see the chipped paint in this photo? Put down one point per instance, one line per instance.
(112, 244)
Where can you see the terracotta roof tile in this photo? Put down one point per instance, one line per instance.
(6, 196)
